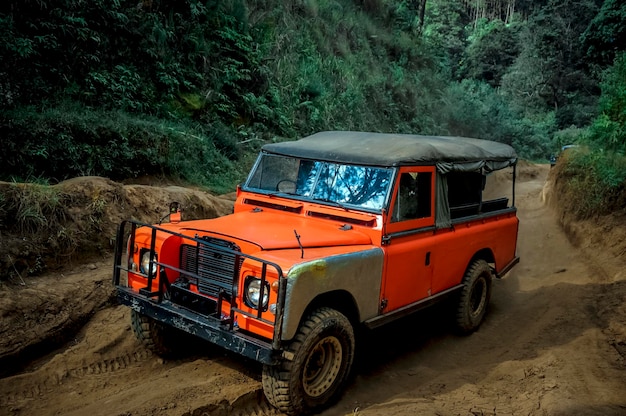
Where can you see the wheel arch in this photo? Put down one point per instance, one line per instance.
(340, 300)
(482, 254)
(349, 283)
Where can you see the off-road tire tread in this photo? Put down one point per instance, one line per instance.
(153, 335)
(464, 323)
(279, 387)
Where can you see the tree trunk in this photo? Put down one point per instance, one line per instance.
(421, 13)
(510, 9)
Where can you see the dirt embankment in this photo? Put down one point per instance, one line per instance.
(56, 253)
(602, 238)
(553, 343)
(48, 228)
(601, 241)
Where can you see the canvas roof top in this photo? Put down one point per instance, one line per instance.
(386, 149)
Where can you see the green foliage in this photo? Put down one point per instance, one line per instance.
(548, 74)
(534, 135)
(122, 87)
(606, 34)
(139, 59)
(445, 33)
(492, 50)
(66, 141)
(163, 88)
(597, 175)
(597, 181)
(568, 136)
(474, 109)
(608, 133)
(609, 130)
(35, 208)
(37, 213)
(613, 100)
(343, 72)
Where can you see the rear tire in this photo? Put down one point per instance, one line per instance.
(159, 338)
(323, 353)
(474, 297)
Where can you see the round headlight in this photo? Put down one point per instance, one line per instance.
(145, 262)
(253, 293)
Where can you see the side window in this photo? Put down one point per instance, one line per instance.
(464, 193)
(464, 188)
(413, 197)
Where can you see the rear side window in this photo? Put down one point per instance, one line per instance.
(474, 193)
(464, 188)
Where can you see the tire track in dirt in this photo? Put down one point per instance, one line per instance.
(250, 404)
(29, 386)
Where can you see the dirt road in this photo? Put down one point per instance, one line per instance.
(548, 347)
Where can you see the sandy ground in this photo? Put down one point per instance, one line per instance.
(553, 343)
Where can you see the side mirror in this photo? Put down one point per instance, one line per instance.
(175, 215)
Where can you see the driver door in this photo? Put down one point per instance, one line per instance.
(408, 270)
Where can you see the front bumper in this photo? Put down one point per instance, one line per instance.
(207, 328)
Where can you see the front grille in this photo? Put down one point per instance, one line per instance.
(189, 258)
(216, 263)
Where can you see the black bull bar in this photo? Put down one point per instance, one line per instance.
(213, 327)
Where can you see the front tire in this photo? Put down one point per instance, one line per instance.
(474, 298)
(323, 352)
(161, 339)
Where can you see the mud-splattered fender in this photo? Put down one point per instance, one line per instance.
(358, 273)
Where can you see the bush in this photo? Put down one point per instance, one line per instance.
(596, 180)
(597, 175)
(474, 109)
(609, 130)
(61, 143)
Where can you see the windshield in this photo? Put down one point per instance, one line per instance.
(357, 186)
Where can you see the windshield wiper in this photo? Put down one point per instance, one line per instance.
(333, 203)
(280, 193)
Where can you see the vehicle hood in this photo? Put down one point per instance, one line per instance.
(272, 231)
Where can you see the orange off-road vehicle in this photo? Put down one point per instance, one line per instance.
(330, 234)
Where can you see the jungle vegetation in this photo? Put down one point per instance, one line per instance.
(190, 89)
